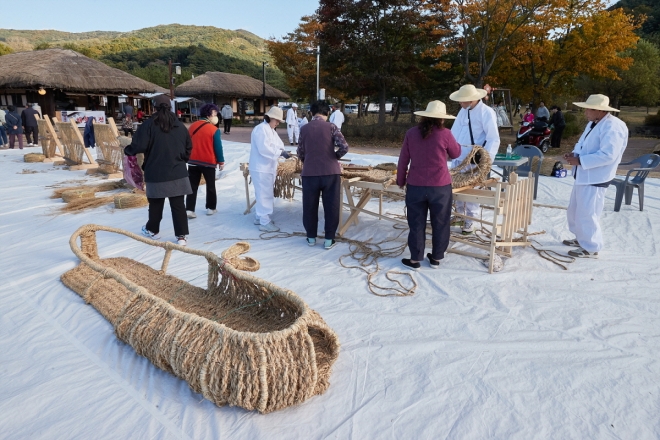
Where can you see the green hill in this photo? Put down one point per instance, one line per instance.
(145, 52)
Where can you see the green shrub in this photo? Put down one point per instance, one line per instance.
(652, 119)
(575, 123)
(367, 128)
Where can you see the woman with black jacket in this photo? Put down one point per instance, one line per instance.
(557, 123)
(166, 145)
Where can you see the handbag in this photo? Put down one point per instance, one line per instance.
(133, 173)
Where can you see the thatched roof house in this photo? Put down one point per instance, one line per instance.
(220, 87)
(65, 76)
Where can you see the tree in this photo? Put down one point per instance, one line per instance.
(573, 37)
(376, 45)
(635, 86)
(299, 67)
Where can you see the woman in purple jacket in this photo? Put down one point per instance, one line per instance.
(427, 148)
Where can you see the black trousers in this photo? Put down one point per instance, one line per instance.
(420, 200)
(195, 174)
(555, 138)
(32, 135)
(327, 188)
(227, 125)
(179, 218)
(126, 131)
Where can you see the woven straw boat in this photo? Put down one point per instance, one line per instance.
(241, 341)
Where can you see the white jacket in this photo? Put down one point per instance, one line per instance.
(337, 118)
(266, 147)
(600, 150)
(291, 117)
(302, 122)
(484, 128)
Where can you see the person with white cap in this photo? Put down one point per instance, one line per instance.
(292, 128)
(266, 148)
(595, 159)
(427, 148)
(476, 124)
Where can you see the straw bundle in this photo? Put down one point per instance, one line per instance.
(376, 175)
(241, 341)
(34, 157)
(78, 205)
(285, 186)
(130, 200)
(387, 166)
(468, 173)
(76, 194)
(105, 186)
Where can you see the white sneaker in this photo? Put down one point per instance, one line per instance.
(211, 211)
(191, 214)
(467, 229)
(181, 240)
(270, 227)
(149, 234)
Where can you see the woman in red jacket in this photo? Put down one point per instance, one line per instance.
(427, 148)
(206, 155)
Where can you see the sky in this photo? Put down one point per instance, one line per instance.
(264, 18)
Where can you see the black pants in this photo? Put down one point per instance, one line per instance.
(126, 131)
(195, 174)
(32, 135)
(420, 200)
(227, 125)
(555, 138)
(179, 218)
(328, 188)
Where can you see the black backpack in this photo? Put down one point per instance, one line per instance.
(557, 166)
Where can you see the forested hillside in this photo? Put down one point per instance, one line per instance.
(145, 52)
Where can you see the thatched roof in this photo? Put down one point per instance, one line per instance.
(67, 70)
(228, 85)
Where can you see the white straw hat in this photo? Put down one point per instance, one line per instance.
(597, 102)
(435, 109)
(468, 93)
(275, 113)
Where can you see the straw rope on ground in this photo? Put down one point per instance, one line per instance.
(242, 341)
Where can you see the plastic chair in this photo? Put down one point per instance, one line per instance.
(529, 151)
(625, 187)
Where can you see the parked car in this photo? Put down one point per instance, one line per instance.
(350, 109)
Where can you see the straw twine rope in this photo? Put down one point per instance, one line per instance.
(242, 341)
(34, 157)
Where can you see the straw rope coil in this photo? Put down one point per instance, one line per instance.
(241, 341)
(76, 194)
(285, 186)
(468, 172)
(34, 157)
(130, 200)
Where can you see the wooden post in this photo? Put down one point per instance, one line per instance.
(55, 137)
(113, 126)
(82, 141)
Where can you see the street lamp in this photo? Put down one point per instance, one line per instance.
(178, 72)
(263, 95)
(316, 51)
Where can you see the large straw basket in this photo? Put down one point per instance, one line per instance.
(241, 341)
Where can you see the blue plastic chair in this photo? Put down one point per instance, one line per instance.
(529, 151)
(625, 187)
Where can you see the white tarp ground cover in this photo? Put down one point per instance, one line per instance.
(531, 352)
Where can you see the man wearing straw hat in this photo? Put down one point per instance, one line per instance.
(476, 124)
(595, 159)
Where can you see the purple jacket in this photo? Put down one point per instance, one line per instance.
(427, 158)
(316, 148)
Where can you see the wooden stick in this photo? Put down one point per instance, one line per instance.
(112, 124)
(541, 205)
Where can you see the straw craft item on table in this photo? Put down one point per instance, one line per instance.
(242, 341)
(285, 186)
(76, 194)
(469, 173)
(130, 200)
(374, 175)
(34, 157)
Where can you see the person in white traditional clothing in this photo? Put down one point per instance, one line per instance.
(337, 118)
(476, 124)
(292, 127)
(266, 148)
(595, 159)
(302, 121)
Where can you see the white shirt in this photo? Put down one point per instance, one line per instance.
(484, 129)
(291, 117)
(600, 150)
(302, 121)
(337, 118)
(265, 148)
